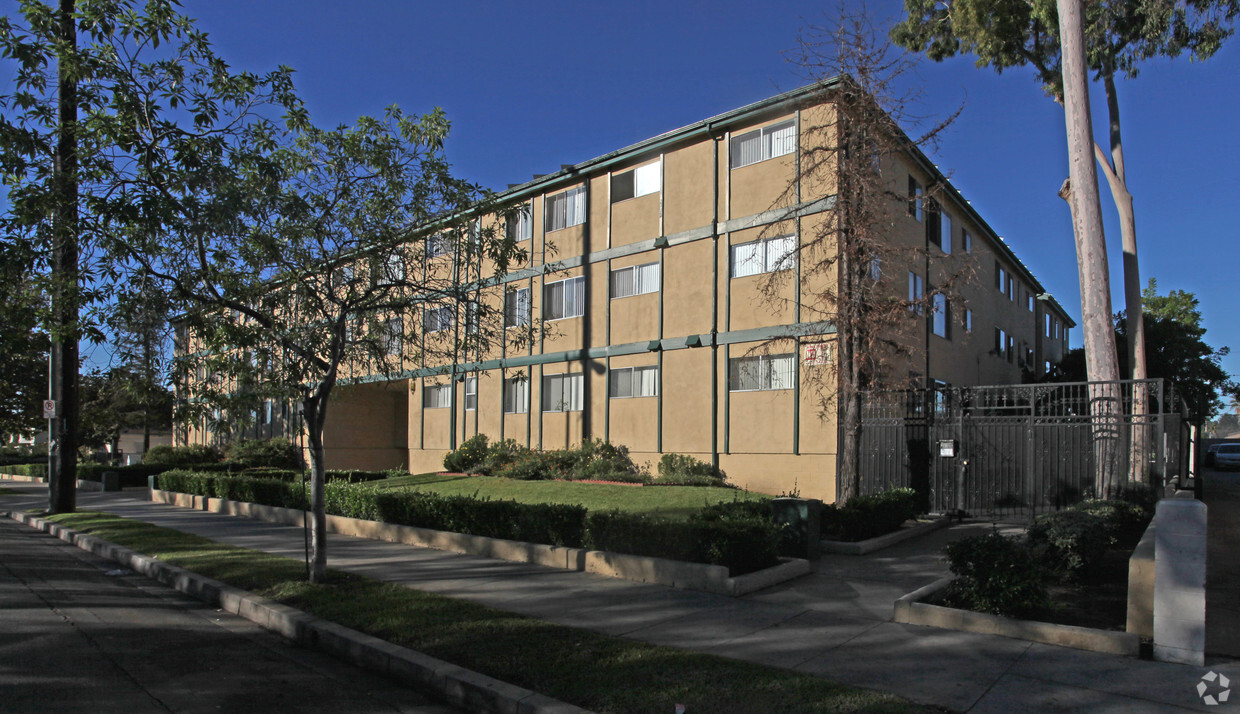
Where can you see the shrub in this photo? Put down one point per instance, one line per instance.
(1074, 542)
(273, 453)
(998, 575)
(599, 460)
(471, 453)
(527, 466)
(25, 469)
(499, 455)
(178, 456)
(865, 517)
(684, 470)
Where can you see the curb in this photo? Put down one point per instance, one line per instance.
(883, 541)
(910, 611)
(456, 685)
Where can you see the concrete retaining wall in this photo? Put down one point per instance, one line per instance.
(909, 610)
(673, 573)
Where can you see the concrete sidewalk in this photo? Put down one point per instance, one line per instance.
(833, 623)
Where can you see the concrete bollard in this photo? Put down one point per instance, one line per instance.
(1180, 581)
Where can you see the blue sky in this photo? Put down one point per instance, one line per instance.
(531, 86)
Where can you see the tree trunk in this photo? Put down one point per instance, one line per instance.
(63, 430)
(315, 411)
(1101, 361)
(1138, 451)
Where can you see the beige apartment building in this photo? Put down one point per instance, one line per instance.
(654, 280)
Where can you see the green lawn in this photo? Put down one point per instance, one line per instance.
(673, 502)
(610, 675)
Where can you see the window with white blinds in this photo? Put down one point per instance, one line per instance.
(634, 280)
(761, 372)
(436, 318)
(520, 225)
(763, 256)
(562, 392)
(762, 144)
(471, 393)
(393, 335)
(564, 298)
(634, 382)
(437, 396)
(516, 396)
(517, 307)
(636, 182)
(566, 209)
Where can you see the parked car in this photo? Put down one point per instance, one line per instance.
(1227, 456)
(1210, 453)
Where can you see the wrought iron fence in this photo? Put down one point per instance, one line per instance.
(1021, 448)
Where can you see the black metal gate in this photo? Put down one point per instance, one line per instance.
(1017, 448)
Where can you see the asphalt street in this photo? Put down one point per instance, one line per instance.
(77, 634)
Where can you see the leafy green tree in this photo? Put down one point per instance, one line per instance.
(1120, 34)
(120, 400)
(139, 338)
(23, 345)
(1177, 352)
(353, 249)
(110, 101)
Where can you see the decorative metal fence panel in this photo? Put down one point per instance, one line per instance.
(1019, 448)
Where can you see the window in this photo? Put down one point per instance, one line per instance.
(1008, 347)
(391, 271)
(876, 269)
(471, 318)
(1011, 288)
(1029, 301)
(437, 396)
(916, 291)
(1000, 277)
(566, 209)
(1001, 340)
(564, 298)
(763, 256)
(762, 144)
(1049, 330)
(761, 372)
(437, 245)
(520, 225)
(968, 320)
(966, 241)
(636, 182)
(941, 319)
(916, 199)
(562, 392)
(393, 335)
(1029, 357)
(516, 395)
(435, 319)
(635, 280)
(945, 232)
(471, 393)
(517, 307)
(635, 382)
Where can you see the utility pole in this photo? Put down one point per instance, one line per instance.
(63, 428)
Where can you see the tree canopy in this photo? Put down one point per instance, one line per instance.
(1120, 34)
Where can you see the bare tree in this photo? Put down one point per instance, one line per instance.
(856, 150)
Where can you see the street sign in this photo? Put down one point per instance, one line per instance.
(49, 408)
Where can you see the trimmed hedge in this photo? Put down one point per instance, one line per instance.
(181, 456)
(25, 469)
(1074, 541)
(739, 540)
(738, 536)
(865, 517)
(271, 453)
(998, 575)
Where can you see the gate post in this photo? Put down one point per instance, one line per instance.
(1031, 490)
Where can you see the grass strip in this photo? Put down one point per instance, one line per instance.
(599, 672)
(671, 502)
